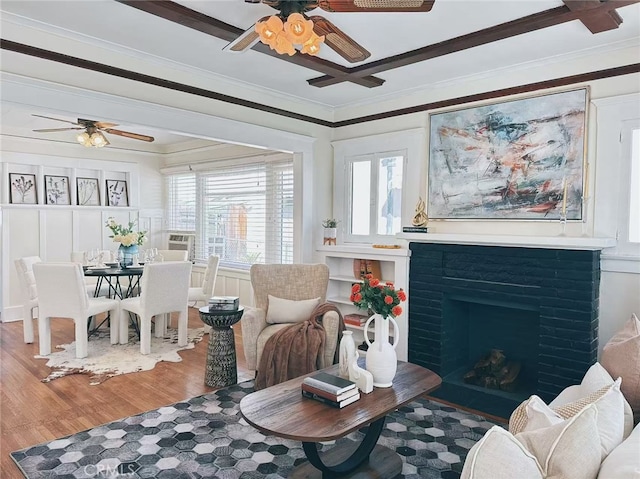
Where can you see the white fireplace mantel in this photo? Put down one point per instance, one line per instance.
(549, 242)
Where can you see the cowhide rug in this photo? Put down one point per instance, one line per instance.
(105, 361)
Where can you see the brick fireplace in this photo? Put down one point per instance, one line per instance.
(538, 305)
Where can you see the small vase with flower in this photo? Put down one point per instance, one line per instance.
(129, 240)
(384, 301)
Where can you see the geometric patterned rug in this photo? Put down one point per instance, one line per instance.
(206, 437)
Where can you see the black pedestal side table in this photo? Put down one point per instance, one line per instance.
(221, 369)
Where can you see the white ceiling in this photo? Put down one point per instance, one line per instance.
(124, 30)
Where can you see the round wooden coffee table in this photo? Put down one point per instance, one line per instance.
(221, 369)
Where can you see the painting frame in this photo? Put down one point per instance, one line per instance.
(23, 189)
(117, 193)
(510, 159)
(87, 191)
(57, 190)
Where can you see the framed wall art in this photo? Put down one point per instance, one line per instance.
(56, 190)
(88, 191)
(117, 194)
(517, 159)
(22, 189)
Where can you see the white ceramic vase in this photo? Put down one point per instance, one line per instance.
(382, 361)
(347, 353)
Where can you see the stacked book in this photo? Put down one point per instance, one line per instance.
(355, 319)
(329, 389)
(224, 303)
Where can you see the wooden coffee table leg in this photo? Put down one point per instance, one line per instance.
(359, 456)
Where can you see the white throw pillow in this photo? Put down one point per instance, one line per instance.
(287, 311)
(535, 414)
(567, 450)
(595, 378)
(624, 460)
(499, 455)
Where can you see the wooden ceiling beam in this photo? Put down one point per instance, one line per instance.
(548, 18)
(184, 16)
(595, 21)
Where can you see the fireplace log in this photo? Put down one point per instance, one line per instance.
(509, 376)
(493, 371)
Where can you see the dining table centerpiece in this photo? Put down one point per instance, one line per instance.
(382, 300)
(128, 238)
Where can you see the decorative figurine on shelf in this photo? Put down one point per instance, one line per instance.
(420, 218)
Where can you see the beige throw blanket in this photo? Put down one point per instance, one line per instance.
(296, 350)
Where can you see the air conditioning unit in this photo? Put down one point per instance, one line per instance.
(183, 242)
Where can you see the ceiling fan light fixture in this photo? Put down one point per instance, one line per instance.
(269, 29)
(312, 46)
(283, 37)
(298, 29)
(83, 138)
(283, 45)
(98, 140)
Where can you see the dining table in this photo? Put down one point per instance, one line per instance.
(114, 275)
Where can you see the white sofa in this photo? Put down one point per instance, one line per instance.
(586, 432)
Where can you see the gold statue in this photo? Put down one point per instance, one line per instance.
(420, 218)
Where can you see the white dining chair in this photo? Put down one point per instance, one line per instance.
(164, 290)
(204, 292)
(27, 281)
(62, 294)
(91, 284)
(172, 255)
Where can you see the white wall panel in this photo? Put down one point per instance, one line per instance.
(58, 234)
(88, 230)
(23, 239)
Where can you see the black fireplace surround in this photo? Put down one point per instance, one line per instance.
(539, 306)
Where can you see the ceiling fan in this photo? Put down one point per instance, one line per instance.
(93, 131)
(323, 29)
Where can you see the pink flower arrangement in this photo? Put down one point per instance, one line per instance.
(381, 298)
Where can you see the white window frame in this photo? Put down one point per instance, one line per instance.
(616, 117)
(409, 143)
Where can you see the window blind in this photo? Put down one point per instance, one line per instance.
(181, 201)
(243, 212)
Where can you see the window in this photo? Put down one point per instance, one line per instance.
(376, 181)
(633, 149)
(375, 184)
(242, 213)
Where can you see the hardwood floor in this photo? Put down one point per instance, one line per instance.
(32, 412)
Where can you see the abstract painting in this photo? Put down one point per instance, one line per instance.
(22, 189)
(521, 159)
(117, 194)
(56, 190)
(88, 191)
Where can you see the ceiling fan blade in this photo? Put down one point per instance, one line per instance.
(57, 129)
(244, 42)
(57, 119)
(128, 134)
(103, 124)
(376, 5)
(343, 44)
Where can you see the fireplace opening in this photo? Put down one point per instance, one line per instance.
(474, 326)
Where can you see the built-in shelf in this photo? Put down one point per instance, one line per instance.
(550, 242)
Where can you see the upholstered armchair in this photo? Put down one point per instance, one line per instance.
(284, 294)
